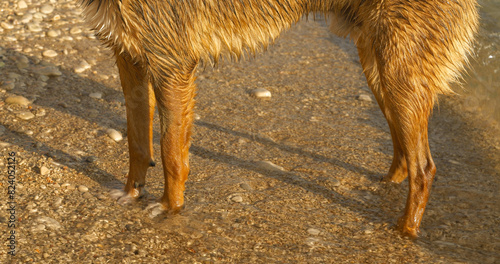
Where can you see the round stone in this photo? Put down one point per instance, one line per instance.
(96, 95)
(237, 199)
(267, 165)
(83, 188)
(47, 9)
(49, 53)
(75, 31)
(261, 93)
(114, 134)
(6, 25)
(22, 4)
(52, 33)
(34, 27)
(364, 97)
(313, 231)
(48, 71)
(25, 115)
(17, 99)
(26, 18)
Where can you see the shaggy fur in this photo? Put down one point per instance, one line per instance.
(410, 52)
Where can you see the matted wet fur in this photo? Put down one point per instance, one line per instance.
(410, 52)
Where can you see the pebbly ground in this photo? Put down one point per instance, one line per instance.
(289, 179)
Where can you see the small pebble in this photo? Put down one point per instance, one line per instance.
(49, 53)
(44, 170)
(82, 67)
(91, 159)
(67, 186)
(313, 231)
(261, 93)
(40, 112)
(237, 199)
(47, 9)
(49, 222)
(22, 4)
(96, 95)
(48, 71)
(25, 115)
(4, 144)
(368, 231)
(6, 25)
(38, 228)
(114, 134)
(245, 186)
(333, 182)
(269, 165)
(75, 31)
(52, 33)
(26, 18)
(83, 188)
(87, 195)
(57, 202)
(364, 97)
(34, 27)
(8, 85)
(17, 99)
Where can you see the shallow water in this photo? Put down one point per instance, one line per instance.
(482, 85)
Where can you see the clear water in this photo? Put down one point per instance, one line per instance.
(482, 88)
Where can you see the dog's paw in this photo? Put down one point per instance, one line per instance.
(122, 197)
(155, 209)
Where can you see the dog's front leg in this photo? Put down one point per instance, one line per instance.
(175, 99)
(140, 104)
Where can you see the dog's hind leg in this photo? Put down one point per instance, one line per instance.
(140, 104)
(398, 171)
(175, 93)
(402, 85)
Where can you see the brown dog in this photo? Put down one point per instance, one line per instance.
(410, 52)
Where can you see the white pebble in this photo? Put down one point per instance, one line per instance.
(82, 67)
(83, 188)
(34, 27)
(96, 95)
(38, 228)
(75, 31)
(237, 199)
(26, 18)
(114, 134)
(4, 144)
(47, 9)
(17, 99)
(364, 97)
(6, 25)
(25, 115)
(44, 170)
(67, 186)
(49, 222)
(22, 4)
(269, 165)
(261, 93)
(313, 231)
(52, 33)
(49, 53)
